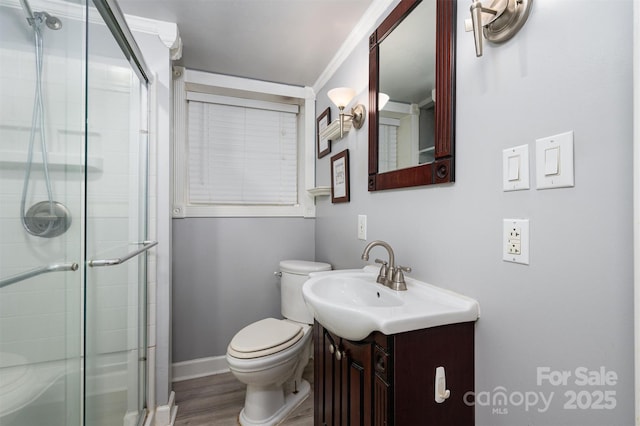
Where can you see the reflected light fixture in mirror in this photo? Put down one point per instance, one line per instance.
(383, 98)
(341, 96)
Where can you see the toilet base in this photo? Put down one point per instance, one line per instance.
(291, 402)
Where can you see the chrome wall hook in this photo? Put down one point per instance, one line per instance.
(498, 22)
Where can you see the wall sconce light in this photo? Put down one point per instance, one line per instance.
(341, 96)
(499, 22)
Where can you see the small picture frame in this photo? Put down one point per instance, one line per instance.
(340, 177)
(323, 120)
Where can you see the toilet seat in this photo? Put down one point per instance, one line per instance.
(264, 337)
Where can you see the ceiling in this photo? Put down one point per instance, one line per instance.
(283, 41)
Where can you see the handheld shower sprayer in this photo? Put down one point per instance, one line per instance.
(52, 22)
(48, 218)
(36, 18)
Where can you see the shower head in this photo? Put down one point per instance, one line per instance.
(38, 18)
(52, 22)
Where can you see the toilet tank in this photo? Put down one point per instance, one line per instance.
(294, 274)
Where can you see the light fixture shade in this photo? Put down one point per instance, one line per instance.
(383, 98)
(341, 96)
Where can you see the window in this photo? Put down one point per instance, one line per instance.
(241, 155)
(388, 144)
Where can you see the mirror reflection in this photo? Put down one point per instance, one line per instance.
(407, 81)
(416, 115)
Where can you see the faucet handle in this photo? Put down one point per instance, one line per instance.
(382, 275)
(398, 277)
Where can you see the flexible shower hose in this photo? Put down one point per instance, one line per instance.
(37, 119)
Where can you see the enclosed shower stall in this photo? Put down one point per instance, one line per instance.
(73, 215)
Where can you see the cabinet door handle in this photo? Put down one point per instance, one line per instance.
(338, 355)
(332, 349)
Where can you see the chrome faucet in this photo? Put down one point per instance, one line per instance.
(386, 270)
(390, 275)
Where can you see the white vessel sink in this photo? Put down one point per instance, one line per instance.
(351, 304)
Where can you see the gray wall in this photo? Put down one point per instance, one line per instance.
(568, 69)
(223, 277)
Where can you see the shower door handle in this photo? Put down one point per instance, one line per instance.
(37, 271)
(146, 245)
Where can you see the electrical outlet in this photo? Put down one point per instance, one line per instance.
(514, 248)
(515, 234)
(362, 227)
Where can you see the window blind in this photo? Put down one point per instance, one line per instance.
(241, 155)
(387, 147)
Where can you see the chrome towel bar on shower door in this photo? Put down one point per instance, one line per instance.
(146, 245)
(37, 271)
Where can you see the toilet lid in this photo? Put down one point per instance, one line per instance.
(264, 337)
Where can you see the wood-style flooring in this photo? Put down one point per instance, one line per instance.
(217, 401)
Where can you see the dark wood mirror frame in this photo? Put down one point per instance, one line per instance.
(442, 169)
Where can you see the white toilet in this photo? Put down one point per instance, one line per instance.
(271, 354)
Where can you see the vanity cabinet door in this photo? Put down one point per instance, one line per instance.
(343, 380)
(356, 366)
(327, 378)
(416, 356)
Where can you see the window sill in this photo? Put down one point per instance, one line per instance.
(239, 211)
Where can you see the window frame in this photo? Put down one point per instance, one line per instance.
(186, 80)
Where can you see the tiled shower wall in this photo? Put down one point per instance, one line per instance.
(40, 317)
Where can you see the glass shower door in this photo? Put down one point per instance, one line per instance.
(41, 205)
(116, 212)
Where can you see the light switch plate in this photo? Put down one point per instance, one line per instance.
(362, 227)
(515, 240)
(515, 168)
(554, 161)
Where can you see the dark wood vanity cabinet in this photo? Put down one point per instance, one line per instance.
(390, 380)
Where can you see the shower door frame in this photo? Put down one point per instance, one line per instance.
(117, 25)
(636, 203)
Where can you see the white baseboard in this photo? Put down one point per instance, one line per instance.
(200, 367)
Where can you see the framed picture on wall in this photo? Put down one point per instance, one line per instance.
(340, 177)
(323, 120)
